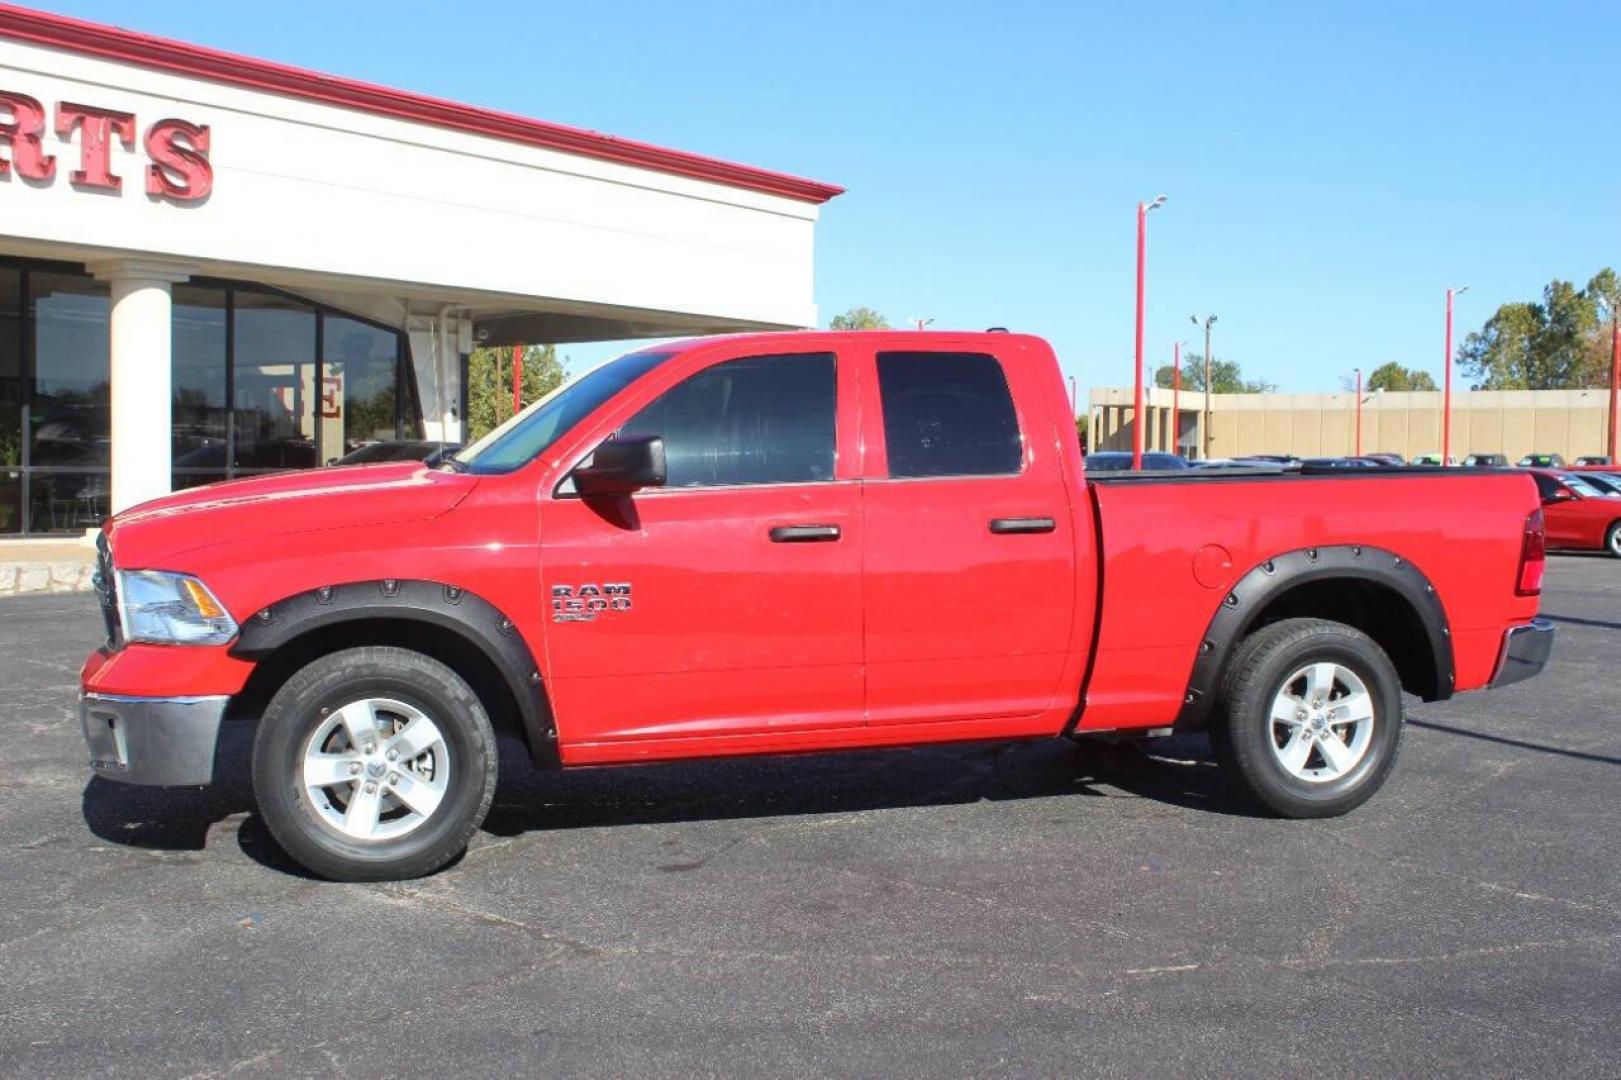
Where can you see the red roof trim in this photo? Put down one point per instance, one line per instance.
(125, 46)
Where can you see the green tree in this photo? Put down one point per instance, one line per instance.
(489, 383)
(1392, 377)
(1226, 377)
(859, 318)
(1081, 423)
(1557, 343)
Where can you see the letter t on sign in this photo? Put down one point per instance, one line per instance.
(95, 152)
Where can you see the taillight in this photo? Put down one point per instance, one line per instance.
(1533, 556)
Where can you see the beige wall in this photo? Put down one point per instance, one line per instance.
(1511, 422)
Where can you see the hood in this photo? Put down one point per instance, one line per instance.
(283, 504)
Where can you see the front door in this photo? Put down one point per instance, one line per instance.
(970, 562)
(727, 602)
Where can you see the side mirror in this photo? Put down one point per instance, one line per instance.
(1558, 497)
(621, 466)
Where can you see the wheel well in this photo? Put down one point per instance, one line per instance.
(1379, 611)
(459, 653)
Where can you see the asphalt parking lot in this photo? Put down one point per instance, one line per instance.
(976, 910)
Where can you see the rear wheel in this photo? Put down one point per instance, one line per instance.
(1309, 719)
(374, 764)
(1612, 540)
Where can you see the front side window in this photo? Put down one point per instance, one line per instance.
(948, 414)
(758, 420)
(526, 434)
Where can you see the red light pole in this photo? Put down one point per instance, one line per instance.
(1358, 413)
(517, 379)
(1615, 378)
(1446, 406)
(1137, 397)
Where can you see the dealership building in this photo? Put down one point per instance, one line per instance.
(213, 266)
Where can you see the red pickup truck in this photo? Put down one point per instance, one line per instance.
(778, 543)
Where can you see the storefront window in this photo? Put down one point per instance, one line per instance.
(199, 411)
(261, 382)
(360, 395)
(70, 416)
(11, 400)
(274, 349)
(69, 411)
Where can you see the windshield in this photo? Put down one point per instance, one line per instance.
(517, 441)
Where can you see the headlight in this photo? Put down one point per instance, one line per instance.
(171, 609)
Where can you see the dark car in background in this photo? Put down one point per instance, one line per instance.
(1594, 459)
(1120, 461)
(1486, 461)
(1542, 461)
(1341, 463)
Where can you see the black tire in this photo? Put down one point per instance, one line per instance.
(1242, 727)
(1612, 539)
(306, 701)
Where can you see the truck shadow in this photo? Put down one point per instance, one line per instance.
(811, 784)
(180, 819)
(527, 800)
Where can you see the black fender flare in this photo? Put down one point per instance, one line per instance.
(1254, 592)
(447, 607)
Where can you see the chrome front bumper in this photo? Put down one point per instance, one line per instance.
(161, 741)
(1525, 651)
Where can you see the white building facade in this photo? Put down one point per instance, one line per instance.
(212, 266)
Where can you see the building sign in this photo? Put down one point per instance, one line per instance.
(176, 151)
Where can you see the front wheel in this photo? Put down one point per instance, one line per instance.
(1612, 540)
(1309, 719)
(374, 764)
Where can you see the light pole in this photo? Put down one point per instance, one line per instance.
(1209, 321)
(1176, 400)
(1358, 452)
(1446, 405)
(1615, 378)
(517, 379)
(1137, 398)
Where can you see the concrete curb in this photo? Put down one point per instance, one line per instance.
(50, 565)
(20, 579)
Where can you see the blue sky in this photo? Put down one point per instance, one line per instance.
(1330, 168)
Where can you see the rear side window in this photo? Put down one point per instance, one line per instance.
(1546, 485)
(948, 414)
(758, 420)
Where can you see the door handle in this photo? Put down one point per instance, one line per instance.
(804, 534)
(1023, 525)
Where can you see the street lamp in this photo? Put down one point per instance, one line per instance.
(1137, 398)
(1176, 399)
(1446, 405)
(1209, 321)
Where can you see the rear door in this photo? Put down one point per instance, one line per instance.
(970, 553)
(729, 601)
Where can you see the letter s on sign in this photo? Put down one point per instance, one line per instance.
(180, 168)
(22, 133)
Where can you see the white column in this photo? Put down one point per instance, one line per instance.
(140, 359)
